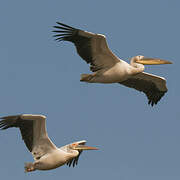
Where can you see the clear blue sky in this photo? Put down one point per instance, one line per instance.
(39, 75)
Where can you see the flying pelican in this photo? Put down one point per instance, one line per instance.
(46, 155)
(108, 68)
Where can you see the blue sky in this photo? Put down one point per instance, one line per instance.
(39, 75)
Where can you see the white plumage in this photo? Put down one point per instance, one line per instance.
(108, 68)
(46, 155)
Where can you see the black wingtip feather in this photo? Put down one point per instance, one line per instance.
(82, 42)
(59, 31)
(66, 33)
(60, 27)
(56, 35)
(65, 25)
(59, 39)
(2, 125)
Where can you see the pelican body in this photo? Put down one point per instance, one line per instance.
(108, 68)
(46, 155)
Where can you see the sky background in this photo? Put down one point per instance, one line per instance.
(40, 75)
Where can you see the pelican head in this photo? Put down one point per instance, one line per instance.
(81, 147)
(149, 61)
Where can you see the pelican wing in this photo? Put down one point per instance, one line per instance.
(153, 86)
(33, 131)
(91, 47)
(26, 128)
(74, 161)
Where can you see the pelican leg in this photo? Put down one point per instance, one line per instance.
(29, 167)
(87, 77)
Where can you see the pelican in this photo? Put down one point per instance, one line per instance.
(108, 68)
(46, 155)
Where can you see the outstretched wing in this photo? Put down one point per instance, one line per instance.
(91, 47)
(26, 128)
(33, 131)
(153, 86)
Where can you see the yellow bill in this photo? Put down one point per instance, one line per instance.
(152, 61)
(83, 147)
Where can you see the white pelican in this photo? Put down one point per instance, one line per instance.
(46, 155)
(108, 68)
